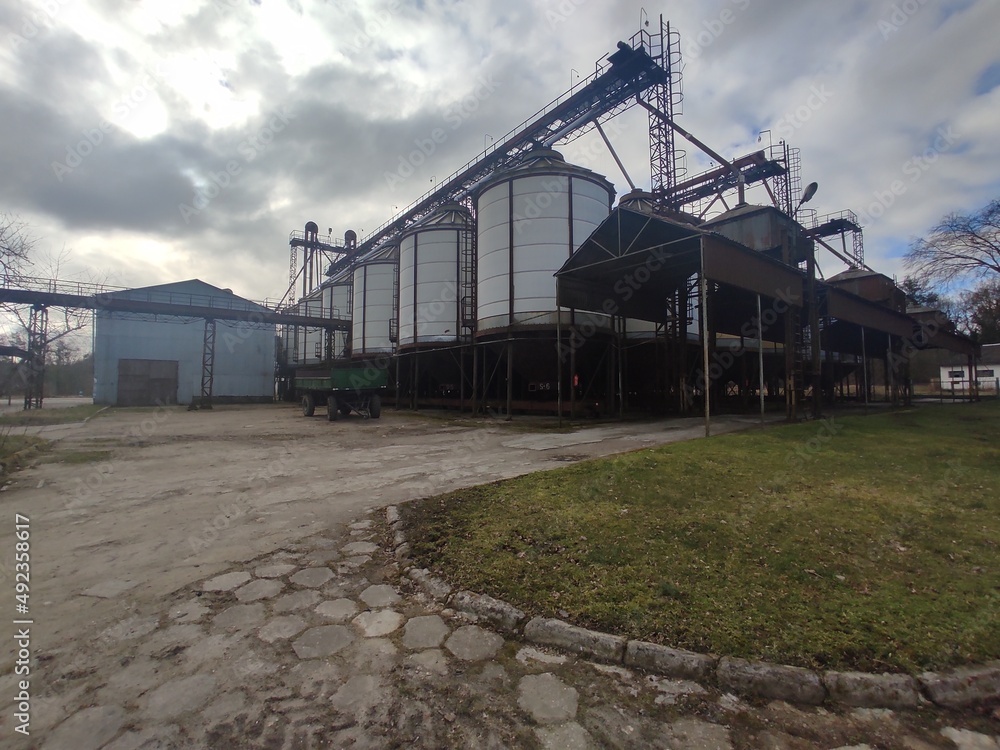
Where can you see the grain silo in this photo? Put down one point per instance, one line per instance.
(310, 344)
(433, 258)
(373, 308)
(531, 218)
(436, 317)
(337, 304)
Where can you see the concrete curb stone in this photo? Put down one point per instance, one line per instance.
(774, 681)
(963, 687)
(601, 646)
(501, 614)
(872, 690)
(676, 663)
(432, 585)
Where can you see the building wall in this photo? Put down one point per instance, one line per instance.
(957, 377)
(244, 354)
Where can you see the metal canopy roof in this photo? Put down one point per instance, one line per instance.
(634, 261)
(629, 265)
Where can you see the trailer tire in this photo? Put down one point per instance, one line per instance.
(332, 410)
(345, 409)
(308, 405)
(375, 407)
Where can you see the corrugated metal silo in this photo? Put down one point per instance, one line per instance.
(373, 314)
(431, 259)
(530, 220)
(311, 340)
(337, 304)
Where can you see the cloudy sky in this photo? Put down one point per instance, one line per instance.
(159, 141)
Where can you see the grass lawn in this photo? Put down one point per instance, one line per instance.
(50, 416)
(863, 543)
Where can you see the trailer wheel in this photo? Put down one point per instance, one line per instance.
(345, 409)
(375, 407)
(308, 405)
(332, 409)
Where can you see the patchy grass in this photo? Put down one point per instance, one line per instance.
(17, 450)
(77, 457)
(863, 543)
(65, 415)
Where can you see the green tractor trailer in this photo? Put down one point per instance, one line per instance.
(343, 387)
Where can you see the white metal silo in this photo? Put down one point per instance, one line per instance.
(432, 257)
(374, 302)
(531, 218)
(337, 304)
(311, 340)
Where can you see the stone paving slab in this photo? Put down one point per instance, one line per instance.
(283, 653)
(378, 623)
(281, 628)
(240, 616)
(432, 660)
(256, 590)
(275, 570)
(297, 600)
(337, 610)
(359, 548)
(312, 577)
(322, 641)
(227, 581)
(547, 699)
(473, 643)
(425, 632)
(380, 595)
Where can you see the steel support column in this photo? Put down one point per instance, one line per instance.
(706, 382)
(38, 339)
(864, 364)
(816, 353)
(760, 359)
(559, 363)
(208, 364)
(510, 379)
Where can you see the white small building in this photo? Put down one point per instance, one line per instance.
(956, 376)
(143, 359)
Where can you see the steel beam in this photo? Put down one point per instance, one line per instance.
(108, 303)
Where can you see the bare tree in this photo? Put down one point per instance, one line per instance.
(15, 249)
(39, 325)
(981, 308)
(63, 321)
(959, 248)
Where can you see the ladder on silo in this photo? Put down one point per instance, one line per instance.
(467, 282)
(394, 319)
(349, 337)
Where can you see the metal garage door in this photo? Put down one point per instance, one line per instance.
(147, 382)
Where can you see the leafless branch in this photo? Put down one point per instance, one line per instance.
(960, 248)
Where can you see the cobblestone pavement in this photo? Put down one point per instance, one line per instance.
(326, 644)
